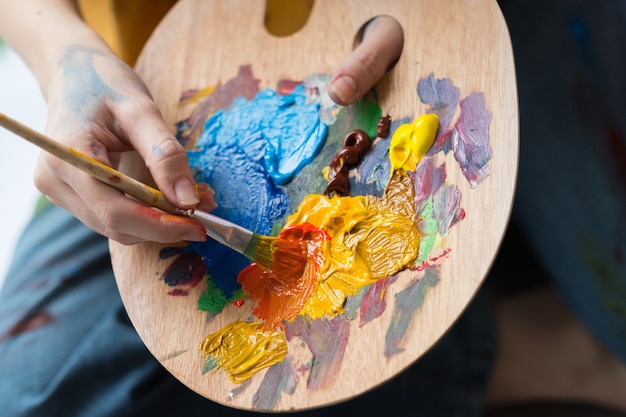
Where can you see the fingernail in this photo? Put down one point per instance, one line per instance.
(186, 193)
(195, 237)
(345, 88)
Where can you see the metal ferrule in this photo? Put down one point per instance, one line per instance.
(225, 232)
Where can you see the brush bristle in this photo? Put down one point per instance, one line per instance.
(276, 253)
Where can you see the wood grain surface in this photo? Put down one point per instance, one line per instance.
(204, 42)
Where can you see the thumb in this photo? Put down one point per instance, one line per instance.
(379, 46)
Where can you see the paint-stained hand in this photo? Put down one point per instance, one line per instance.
(99, 106)
(378, 47)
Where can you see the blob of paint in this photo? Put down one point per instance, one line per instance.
(242, 349)
(410, 142)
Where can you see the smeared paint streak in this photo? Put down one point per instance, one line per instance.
(279, 378)
(442, 98)
(241, 388)
(433, 260)
(470, 139)
(242, 85)
(428, 227)
(184, 273)
(408, 302)
(374, 301)
(447, 208)
(327, 340)
(242, 349)
(428, 178)
(33, 321)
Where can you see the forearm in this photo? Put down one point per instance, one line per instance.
(41, 30)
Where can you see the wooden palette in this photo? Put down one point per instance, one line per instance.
(202, 43)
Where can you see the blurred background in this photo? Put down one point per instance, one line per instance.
(21, 99)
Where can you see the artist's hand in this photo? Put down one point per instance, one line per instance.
(381, 41)
(100, 107)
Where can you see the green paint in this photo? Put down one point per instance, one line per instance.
(213, 300)
(428, 227)
(210, 362)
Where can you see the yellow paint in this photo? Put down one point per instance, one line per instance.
(199, 95)
(371, 238)
(410, 142)
(242, 349)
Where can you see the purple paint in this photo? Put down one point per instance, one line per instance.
(427, 179)
(244, 84)
(184, 273)
(374, 300)
(447, 208)
(442, 98)
(408, 302)
(327, 340)
(470, 139)
(279, 378)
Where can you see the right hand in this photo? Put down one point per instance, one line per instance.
(99, 106)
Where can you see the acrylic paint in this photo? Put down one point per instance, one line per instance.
(394, 215)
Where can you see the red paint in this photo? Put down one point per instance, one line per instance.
(431, 261)
(281, 292)
(382, 129)
(285, 87)
(184, 274)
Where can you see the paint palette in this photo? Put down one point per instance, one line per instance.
(254, 115)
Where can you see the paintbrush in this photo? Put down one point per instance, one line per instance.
(268, 252)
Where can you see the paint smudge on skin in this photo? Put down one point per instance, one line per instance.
(279, 379)
(242, 349)
(327, 340)
(408, 302)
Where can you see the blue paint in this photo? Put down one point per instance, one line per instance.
(246, 152)
(282, 130)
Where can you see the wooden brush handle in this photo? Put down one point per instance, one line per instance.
(142, 192)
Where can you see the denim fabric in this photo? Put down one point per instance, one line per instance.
(571, 195)
(68, 349)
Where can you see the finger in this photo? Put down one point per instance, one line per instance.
(165, 157)
(111, 213)
(379, 49)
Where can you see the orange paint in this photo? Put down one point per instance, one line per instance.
(281, 291)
